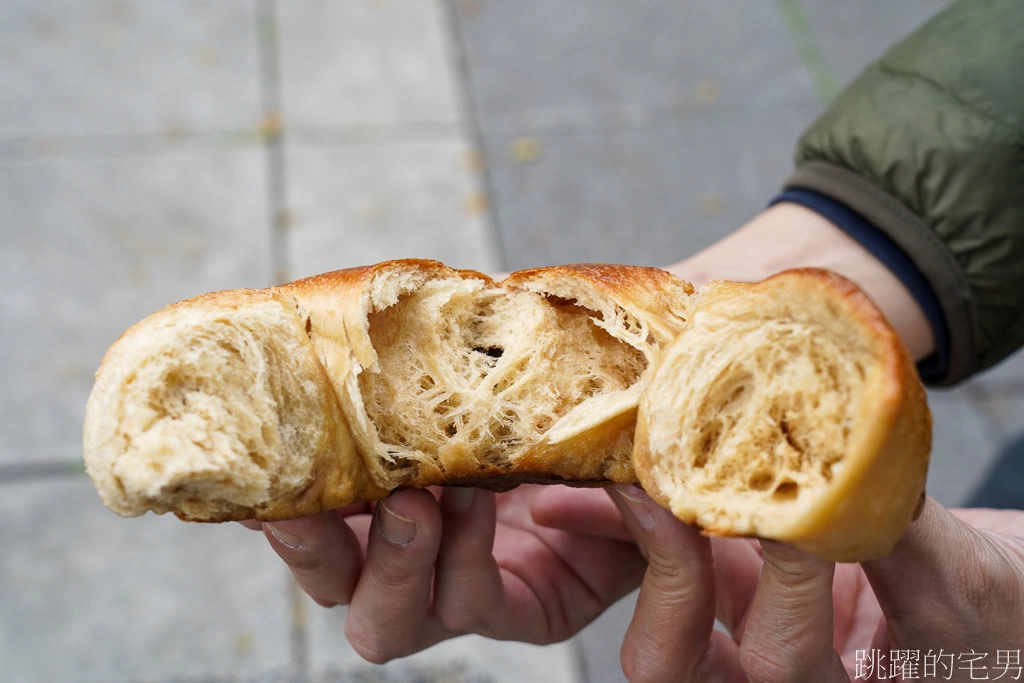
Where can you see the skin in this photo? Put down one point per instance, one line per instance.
(537, 564)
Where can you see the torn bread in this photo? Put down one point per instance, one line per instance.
(342, 387)
(788, 409)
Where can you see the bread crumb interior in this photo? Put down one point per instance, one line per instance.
(466, 370)
(766, 408)
(219, 405)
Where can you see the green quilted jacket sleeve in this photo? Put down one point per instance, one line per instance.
(928, 144)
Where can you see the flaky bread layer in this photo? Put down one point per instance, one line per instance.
(789, 410)
(218, 408)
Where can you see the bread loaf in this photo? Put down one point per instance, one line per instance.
(778, 409)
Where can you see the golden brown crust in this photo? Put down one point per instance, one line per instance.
(657, 296)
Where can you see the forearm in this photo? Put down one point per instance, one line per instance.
(791, 236)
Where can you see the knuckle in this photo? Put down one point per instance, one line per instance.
(641, 670)
(327, 588)
(668, 574)
(460, 618)
(307, 562)
(983, 585)
(391, 575)
(674, 586)
(370, 653)
(371, 644)
(767, 666)
(323, 602)
(645, 664)
(792, 567)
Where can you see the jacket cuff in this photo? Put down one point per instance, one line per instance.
(921, 246)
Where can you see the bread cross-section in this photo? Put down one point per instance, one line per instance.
(786, 409)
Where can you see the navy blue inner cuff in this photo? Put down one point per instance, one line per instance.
(935, 366)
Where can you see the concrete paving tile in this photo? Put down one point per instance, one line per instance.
(646, 196)
(964, 445)
(352, 205)
(1007, 375)
(88, 596)
(491, 660)
(1004, 408)
(851, 35)
(547, 62)
(373, 62)
(117, 67)
(89, 246)
(1000, 484)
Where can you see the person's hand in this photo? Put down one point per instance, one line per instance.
(954, 583)
(417, 569)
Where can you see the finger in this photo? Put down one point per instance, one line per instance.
(589, 512)
(322, 553)
(948, 584)
(788, 634)
(252, 524)
(388, 615)
(671, 636)
(468, 591)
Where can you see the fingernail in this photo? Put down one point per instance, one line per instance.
(458, 498)
(638, 503)
(286, 537)
(397, 528)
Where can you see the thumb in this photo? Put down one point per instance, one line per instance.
(948, 585)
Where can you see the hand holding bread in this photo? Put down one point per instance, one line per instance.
(786, 409)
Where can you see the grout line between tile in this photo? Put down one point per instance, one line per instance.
(268, 134)
(808, 49)
(55, 148)
(38, 471)
(274, 137)
(376, 135)
(277, 202)
(472, 125)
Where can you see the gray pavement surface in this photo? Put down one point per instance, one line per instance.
(153, 151)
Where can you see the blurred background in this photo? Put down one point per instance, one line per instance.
(151, 151)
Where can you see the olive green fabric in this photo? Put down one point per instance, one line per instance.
(928, 144)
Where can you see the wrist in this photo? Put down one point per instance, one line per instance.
(791, 236)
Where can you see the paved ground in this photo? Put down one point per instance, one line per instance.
(152, 151)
